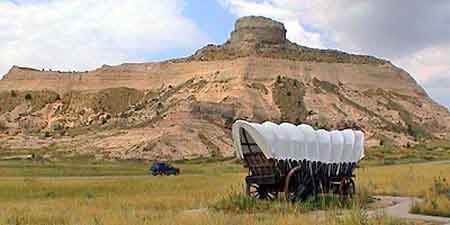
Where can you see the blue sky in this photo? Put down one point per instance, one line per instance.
(84, 34)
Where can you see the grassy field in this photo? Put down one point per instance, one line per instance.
(436, 199)
(388, 155)
(191, 198)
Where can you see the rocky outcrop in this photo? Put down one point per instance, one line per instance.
(263, 37)
(253, 31)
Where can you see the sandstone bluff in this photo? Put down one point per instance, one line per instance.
(183, 108)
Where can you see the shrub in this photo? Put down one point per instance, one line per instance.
(29, 126)
(289, 94)
(229, 122)
(3, 125)
(325, 85)
(28, 96)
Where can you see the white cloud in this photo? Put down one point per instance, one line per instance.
(80, 35)
(428, 63)
(414, 36)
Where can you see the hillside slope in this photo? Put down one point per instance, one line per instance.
(183, 108)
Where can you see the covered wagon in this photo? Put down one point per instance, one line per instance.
(297, 160)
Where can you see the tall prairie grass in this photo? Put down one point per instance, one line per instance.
(436, 199)
(405, 180)
(186, 199)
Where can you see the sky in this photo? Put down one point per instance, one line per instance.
(85, 34)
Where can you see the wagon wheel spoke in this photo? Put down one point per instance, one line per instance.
(272, 195)
(347, 188)
(260, 192)
(298, 184)
(350, 189)
(252, 190)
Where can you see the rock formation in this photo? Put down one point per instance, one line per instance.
(183, 108)
(252, 31)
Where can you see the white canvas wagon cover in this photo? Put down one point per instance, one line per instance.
(288, 141)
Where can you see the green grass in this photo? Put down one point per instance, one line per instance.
(90, 167)
(54, 169)
(389, 154)
(54, 152)
(237, 201)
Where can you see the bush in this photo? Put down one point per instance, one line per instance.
(28, 96)
(29, 126)
(326, 86)
(289, 94)
(229, 122)
(3, 125)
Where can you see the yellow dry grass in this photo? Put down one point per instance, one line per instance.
(182, 199)
(406, 179)
(436, 199)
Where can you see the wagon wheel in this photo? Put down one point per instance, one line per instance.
(260, 192)
(298, 185)
(347, 187)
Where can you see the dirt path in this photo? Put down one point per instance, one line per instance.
(400, 209)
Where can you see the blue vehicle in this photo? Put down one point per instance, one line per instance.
(162, 168)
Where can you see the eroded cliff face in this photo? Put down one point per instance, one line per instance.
(183, 108)
(249, 32)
